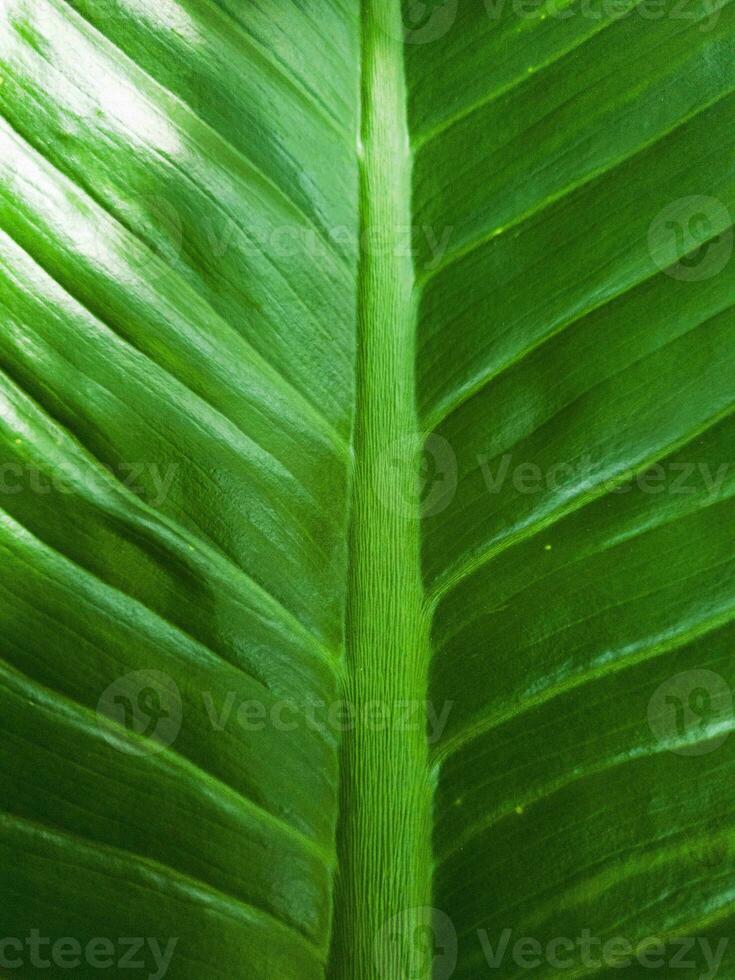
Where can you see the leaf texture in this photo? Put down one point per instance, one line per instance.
(216, 361)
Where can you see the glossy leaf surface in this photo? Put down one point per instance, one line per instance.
(217, 357)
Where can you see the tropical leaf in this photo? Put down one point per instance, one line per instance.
(282, 695)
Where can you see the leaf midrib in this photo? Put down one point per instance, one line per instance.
(385, 852)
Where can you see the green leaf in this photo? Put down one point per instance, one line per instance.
(365, 483)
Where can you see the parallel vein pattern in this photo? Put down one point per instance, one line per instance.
(575, 359)
(175, 415)
(216, 361)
